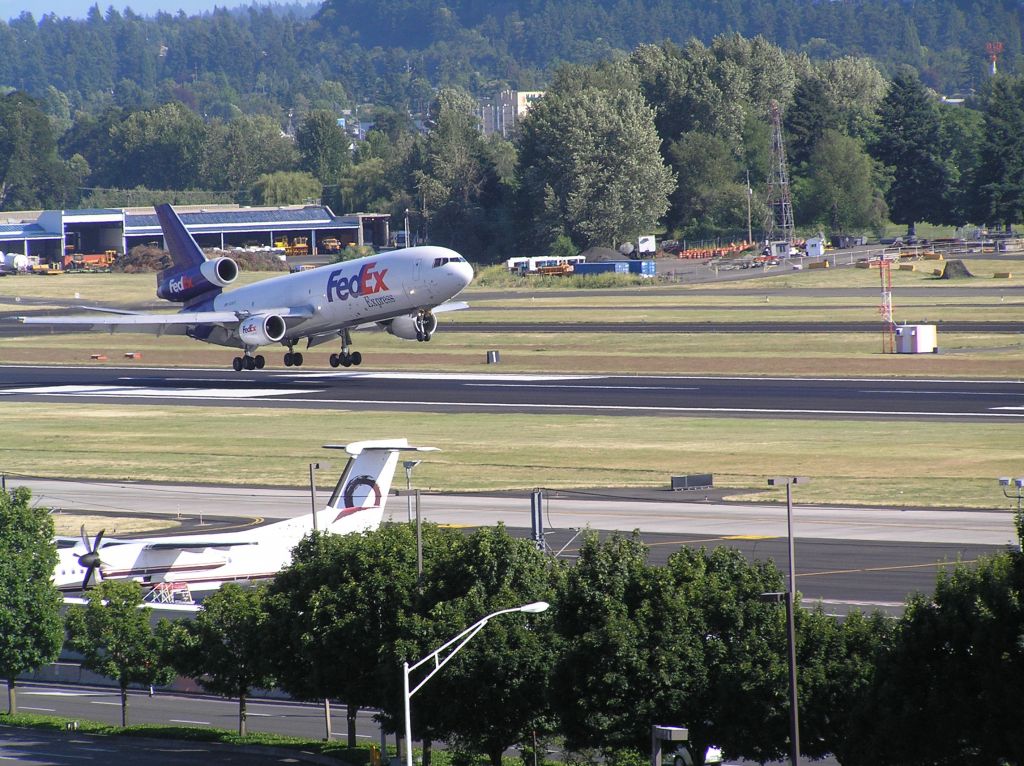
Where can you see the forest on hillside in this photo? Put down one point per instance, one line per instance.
(645, 125)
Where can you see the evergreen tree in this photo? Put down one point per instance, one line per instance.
(909, 144)
(999, 181)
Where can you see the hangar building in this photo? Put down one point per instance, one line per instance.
(49, 235)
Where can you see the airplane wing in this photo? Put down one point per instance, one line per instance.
(158, 323)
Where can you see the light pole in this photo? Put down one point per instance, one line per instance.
(407, 242)
(449, 649)
(408, 465)
(1018, 520)
(790, 595)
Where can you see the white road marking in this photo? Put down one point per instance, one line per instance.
(62, 694)
(470, 376)
(588, 387)
(917, 391)
(97, 702)
(197, 723)
(136, 391)
(40, 709)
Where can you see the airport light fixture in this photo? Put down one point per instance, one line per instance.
(1017, 485)
(789, 596)
(408, 465)
(440, 657)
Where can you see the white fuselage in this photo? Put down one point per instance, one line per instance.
(372, 289)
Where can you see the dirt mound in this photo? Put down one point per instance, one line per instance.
(955, 269)
(598, 254)
(143, 259)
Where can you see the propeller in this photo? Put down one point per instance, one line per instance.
(91, 558)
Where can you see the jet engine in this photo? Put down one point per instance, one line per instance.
(261, 330)
(412, 326)
(182, 286)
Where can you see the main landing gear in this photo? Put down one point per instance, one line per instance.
(248, 362)
(346, 358)
(292, 358)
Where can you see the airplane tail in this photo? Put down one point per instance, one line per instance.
(357, 503)
(193, 277)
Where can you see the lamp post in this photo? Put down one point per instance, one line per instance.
(407, 242)
(449, 650)
(408, 465)
(790, 595)
(1018, 520)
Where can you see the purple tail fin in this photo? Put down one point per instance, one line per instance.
(193, 277)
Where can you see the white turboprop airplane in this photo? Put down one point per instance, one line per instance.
(205, 562)
(400, 291)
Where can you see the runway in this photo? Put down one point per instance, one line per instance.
(819, 398)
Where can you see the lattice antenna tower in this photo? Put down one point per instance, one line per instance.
(993, 48)
(885, 308)
(779, 222)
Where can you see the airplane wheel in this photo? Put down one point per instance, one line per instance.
(334, 360)
(427, 336)
(357, 358)
(346, 360)
(297, 359)
(237, 363)
(419, 335)
(288, 359)
(260, 362)
(250, 363)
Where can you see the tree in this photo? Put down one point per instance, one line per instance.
(710, 197)
(115, 638)
(336, 610)
(806, 121)
(161, 148)
(947, 691)
(997, 185)
(223, 648)
(842, 189)
(323, 146)
(31, 173)
(908, 143)
(285, 188)
(495, 691)
(31, 630)
(589, 165)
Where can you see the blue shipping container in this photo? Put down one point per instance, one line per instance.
(646, 268)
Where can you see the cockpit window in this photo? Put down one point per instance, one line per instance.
(448, 259)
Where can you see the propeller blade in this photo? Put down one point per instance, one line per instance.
(88, 577)
(85, 540)
(99, 539)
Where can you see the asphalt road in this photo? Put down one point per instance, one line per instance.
(966, 400)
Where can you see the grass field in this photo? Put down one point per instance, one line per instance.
(922, 464)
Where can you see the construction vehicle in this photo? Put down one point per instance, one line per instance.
(299, 246)
(330, 245)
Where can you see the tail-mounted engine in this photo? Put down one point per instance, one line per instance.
(261, 330)
(412, 326)
(182, 286)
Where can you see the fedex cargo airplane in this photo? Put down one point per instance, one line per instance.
(400, 291)
(205, 562)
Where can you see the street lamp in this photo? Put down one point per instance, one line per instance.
(451, 647)
(794, 719)
(408, 465)
(1018, 484)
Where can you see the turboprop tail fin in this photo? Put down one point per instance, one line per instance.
(357, 503)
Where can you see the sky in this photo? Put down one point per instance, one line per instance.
(76, 9)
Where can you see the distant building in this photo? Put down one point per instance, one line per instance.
(502, 113)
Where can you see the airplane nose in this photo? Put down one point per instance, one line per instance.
(464, 272)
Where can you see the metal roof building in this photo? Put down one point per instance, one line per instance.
(50, 234)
